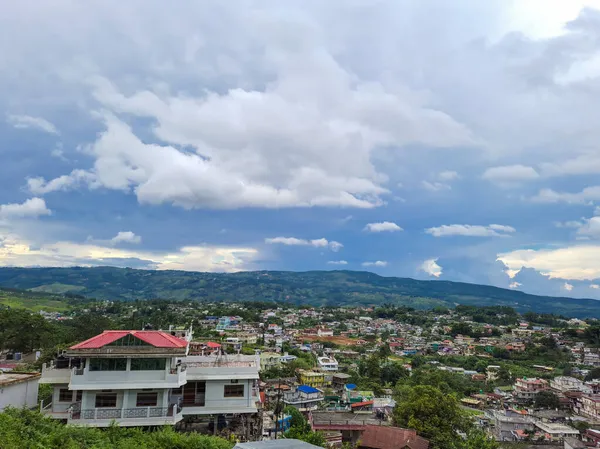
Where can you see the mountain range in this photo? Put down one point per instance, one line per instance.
(318, 288)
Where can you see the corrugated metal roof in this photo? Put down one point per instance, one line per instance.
(276, 444)
(307, 389)
(158, 339)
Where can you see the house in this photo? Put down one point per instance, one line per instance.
(304, 398)
(313, 378)
(146, 378)
(378, 437)
(327, 363)
(506, 423)
(527, 389)
(590, 406)
(18, 390)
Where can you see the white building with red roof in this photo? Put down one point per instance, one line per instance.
(147, 378)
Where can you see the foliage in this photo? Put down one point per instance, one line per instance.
(312, 287)
(25, 429)
(300, 429)
(546, 399)
(433, 414)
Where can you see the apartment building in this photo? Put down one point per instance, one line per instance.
(303, 398)
(146, 378)
(527, 389)
(327, 364)
(589, 405)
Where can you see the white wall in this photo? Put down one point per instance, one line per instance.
(215, 390)
(22, 394)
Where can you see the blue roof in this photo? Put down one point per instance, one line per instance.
(307, 389)
(350, 386)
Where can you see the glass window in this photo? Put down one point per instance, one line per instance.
(79, 396)
(108, 364)
(128, 340)
(106, 400)
(148, 364)
(233, 391)
(65, 395)
(146, 400)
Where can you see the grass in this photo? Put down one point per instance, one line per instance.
(33, 302)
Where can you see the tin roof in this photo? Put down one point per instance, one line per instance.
(158, 339)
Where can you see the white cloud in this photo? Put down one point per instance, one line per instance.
(385, 226)
(77, 178)
(431, 267)
(337, 262)
(18, 252)
(448, 175)
(568, 287)
(585, 164)
(435, 186)
(590, 228)
(579, 262)
(509, 174)
(492, 230)
(595, 286)
(378, 263)
(317, 243)
(587, 195)
(32, 208)
(126, 237)
(568, 224)
(29, 122)
(514, 285)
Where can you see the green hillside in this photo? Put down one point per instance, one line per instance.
(312, 287)
(31, 300)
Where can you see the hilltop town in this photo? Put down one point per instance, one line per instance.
(330, 376)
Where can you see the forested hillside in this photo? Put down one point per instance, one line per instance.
(312, 287)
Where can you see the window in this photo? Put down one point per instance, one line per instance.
(65, 395)
(148, 364)
(233, 391)
(106, 400)
(146, 400)
(108, 364)
(128, 340)
(78, 396)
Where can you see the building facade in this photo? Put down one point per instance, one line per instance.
(147, 378)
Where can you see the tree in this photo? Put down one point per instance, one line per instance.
(300, 429)
(477, 439)
(433, 414)
(546, 399)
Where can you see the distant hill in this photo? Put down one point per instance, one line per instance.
(311, 287)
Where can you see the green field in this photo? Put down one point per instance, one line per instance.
(32, 301)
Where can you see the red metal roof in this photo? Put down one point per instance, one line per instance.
(362, 404)
(383, 437)
(158, 339)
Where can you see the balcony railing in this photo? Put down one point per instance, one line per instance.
(125, 413)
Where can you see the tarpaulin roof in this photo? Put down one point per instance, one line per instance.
(307, 389)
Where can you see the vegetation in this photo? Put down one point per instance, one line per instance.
(21, 299)
(300, 429)
(24, 429)
(321, 288)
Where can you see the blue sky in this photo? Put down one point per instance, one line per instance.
(424, 139)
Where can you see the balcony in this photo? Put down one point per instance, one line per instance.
(127, 417)
(53, 375)
(123, 380)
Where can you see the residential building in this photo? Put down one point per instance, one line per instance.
(589, 405)
(378, 437)
(304, 398)
(327, 363)
(125, 376)
(563, 384)
(146, 378)
(505, 423)
(313, 378)
(555, 431)
(527, 389)
(18, 390)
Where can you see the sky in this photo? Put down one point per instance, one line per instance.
(426, 139)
